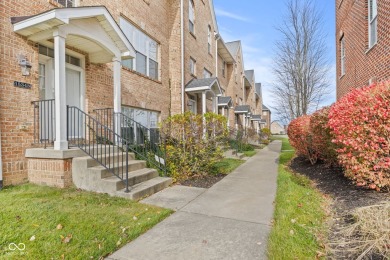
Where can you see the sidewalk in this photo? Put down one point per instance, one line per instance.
(231, 220)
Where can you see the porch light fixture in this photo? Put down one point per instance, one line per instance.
(25, 65)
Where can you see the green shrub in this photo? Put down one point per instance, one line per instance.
(193, 140)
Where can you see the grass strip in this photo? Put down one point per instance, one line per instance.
(299, 217)
(69, 224)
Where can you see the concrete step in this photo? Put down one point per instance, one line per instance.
(146, 188)
(240, 155)
(90, 162)
(119, 167)
(113, 183)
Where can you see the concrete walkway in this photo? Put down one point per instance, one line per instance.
(231, 220)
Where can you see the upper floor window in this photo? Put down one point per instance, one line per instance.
(209, 39)
(206, 74)
(223, 68)
(372, 22)
(192, 66)
(191, 14)
(235, 72)
(67, 3)
(342, 56)
(146, 60)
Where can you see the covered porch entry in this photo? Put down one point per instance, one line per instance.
(95, 35)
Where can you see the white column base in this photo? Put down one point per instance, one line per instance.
(61, 145)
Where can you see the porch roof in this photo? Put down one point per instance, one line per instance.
(263, 121)
(89, 29)
(265, 108)
(244, 109)
(256, 118)
(200, 85)
(225, 101)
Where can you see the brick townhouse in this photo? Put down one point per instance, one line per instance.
(141, 59)
(363, 40)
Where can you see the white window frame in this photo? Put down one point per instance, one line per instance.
(67, 3)
(372, 23)
(342, 56)
(148, 42)
(191, 16)
(192, 66)
(209, 74)
(192, 102)
(224, 69)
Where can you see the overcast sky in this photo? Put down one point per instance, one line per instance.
(254, 21)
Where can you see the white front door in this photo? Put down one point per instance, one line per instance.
(73, 98)
(73, 93)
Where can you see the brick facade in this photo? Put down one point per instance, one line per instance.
(160, 20)
(50, 172)
(363, 63)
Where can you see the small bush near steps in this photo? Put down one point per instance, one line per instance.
(193, 140)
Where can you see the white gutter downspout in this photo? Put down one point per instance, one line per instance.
(182, 53)
(1, 166)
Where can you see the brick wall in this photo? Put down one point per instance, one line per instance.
(50, 172)
(361, 63)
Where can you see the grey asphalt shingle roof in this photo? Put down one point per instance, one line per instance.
(242, 109)
(249, 74)
(258, 88)
(195, 83)
(233, 47)
(224, 100)
(256, 118)
(265, 108)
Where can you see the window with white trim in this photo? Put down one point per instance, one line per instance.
(192, 66)
(342, 56)
(66, 3)
(146, 60)
(206, 74)
(191, 16)
(372, 22)
(209, 39)
(223, 68)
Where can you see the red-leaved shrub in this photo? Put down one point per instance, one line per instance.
(322, 137)
(298, 132)
(360, 123)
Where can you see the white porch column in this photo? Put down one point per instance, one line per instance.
(117, 85)
(223, 111)
(61, 142)
(204, 102)
(117, 94)
(227, 115)
(214, 105)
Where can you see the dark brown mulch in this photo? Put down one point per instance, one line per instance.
(203, 182)
(345, 195)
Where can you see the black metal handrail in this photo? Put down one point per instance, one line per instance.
(145, 142)
(44, 122)
(100, 142)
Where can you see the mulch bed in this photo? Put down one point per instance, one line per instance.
(203, 182)
(345, 195)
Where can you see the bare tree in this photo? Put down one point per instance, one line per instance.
(301, 65)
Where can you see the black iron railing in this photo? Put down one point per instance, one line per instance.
(145, 142)
(100, 142)
(44, 122)
(236, 138)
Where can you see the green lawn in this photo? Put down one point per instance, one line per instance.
(226, 165)
(249, 153)
(69, 224)
(299, 217)
(286, 146)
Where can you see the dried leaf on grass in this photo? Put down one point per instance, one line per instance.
(368, 235)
